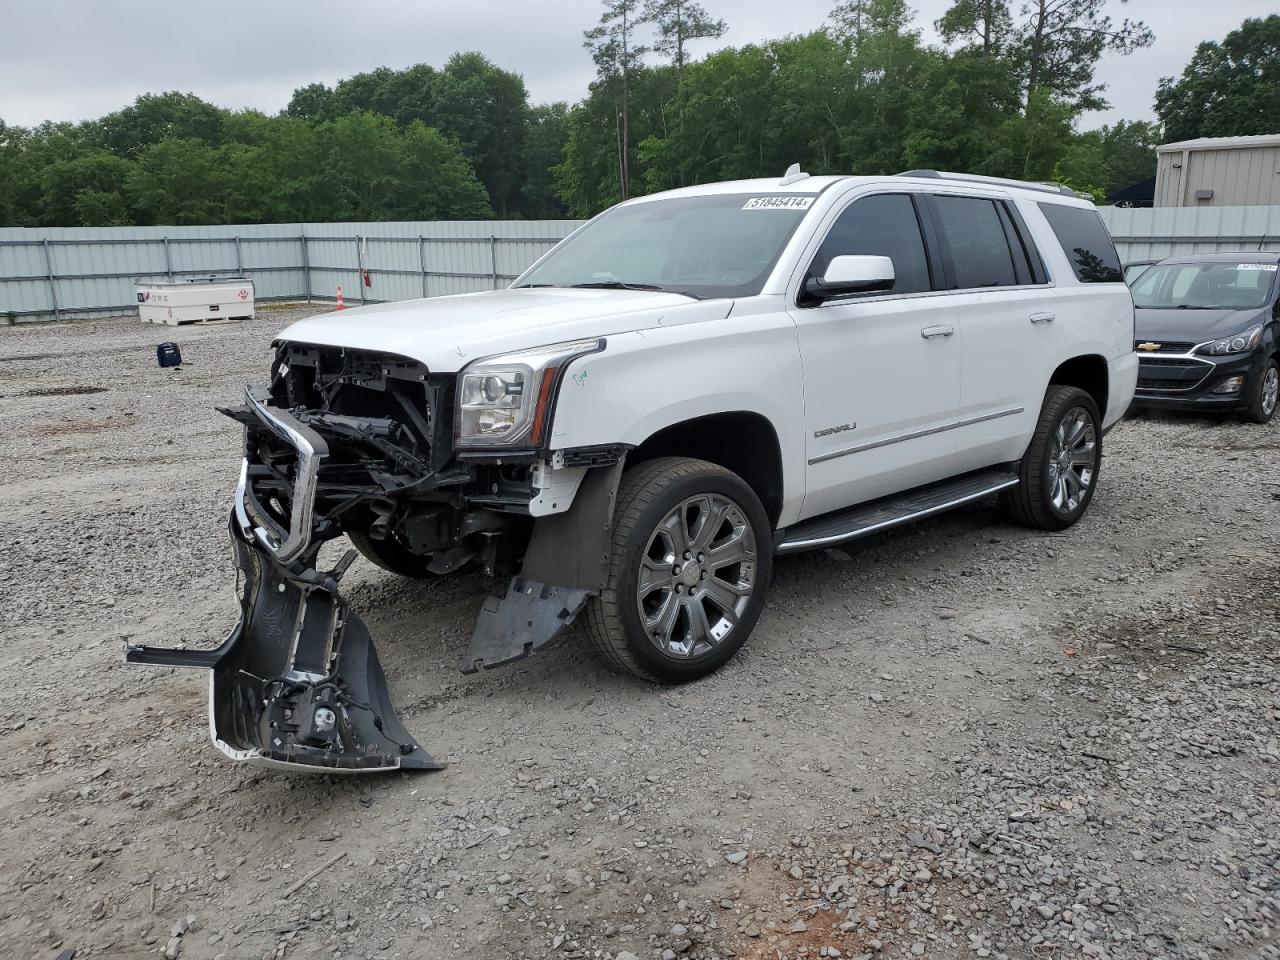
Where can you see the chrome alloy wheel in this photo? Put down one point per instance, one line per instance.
(1073, 460)
(1270, 390)
(697, 574)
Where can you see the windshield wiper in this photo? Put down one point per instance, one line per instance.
(615, 285)
(527, 286)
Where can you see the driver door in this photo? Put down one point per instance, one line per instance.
(881, 370)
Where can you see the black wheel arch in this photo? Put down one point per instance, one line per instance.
(743, 442)
(1090, 373)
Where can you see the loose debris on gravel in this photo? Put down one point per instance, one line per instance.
(960, 740)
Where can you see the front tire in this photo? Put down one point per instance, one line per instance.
(1264, 393)
(1059, 471)
(689, 564)
(390, 556)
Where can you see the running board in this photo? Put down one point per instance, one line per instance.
(892, 511)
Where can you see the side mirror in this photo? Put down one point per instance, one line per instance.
(852, 274)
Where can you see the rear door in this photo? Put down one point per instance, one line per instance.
(1010, 323)
(881, 370)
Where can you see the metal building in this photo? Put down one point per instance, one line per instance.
(1219, 172)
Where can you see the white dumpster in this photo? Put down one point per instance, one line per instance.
(201, 300)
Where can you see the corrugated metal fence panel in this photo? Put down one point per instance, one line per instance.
(1156, 232)
(95, 268)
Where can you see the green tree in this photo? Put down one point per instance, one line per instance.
(177, 181)
(62, 182)
(986, 25)
(102, 208)
(312, 102)
(617, 54)
(1063, 40)
(154, 117)
(440, 182)
(677, 22)
(17, 182)
(961, 98)
(546, 136)
(1111, 157)
(486, 110)
(1228, 89)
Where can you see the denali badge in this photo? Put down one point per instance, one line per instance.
(1150, 347)
(828, 431)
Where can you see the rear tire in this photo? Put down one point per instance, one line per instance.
(1263, 393)
(1059, 471)
(690, 560)
(390, 556)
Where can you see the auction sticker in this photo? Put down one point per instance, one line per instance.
(778, 203)
(1269, 267)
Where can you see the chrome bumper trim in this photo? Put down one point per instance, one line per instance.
(288, 545)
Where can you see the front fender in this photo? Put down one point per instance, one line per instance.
(646, 381)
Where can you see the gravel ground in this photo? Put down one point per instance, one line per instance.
(962, 739)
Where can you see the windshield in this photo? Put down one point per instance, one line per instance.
(709, 246)
(1216, 285)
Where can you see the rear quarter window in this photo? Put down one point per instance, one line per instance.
(1086, 243)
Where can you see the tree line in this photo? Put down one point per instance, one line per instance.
(1002, 94)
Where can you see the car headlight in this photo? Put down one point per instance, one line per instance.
(1240, 343)
(507, 401)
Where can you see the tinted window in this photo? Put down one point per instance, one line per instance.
(884, 225)
(979, 247)
(1086, 243)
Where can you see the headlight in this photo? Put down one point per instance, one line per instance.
(506, 401)
(1240, 343)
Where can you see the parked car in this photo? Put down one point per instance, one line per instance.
(690, 384)
(1136, 268)
(1208, 330)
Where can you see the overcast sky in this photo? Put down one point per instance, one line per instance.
(69, 60)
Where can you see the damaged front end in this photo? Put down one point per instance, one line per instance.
(297, 683)
(347, 442)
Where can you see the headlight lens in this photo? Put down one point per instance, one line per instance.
(1240, 343)
(506, 401)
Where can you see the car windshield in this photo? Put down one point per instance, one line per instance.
(1213, 285)
(1132, 271)
(710, 246)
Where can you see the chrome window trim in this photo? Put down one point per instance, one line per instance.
(915, 435)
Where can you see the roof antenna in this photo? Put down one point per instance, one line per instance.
(793, 174)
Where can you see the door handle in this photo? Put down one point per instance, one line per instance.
(942, 330)
(1042, 317)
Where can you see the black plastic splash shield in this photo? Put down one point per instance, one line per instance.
(297, 684)
(529, 617)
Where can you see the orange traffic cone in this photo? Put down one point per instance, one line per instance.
(340, 306)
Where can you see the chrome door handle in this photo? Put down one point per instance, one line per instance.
(942, 330)
(1042, 317)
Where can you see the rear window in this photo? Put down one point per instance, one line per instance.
(1086, 243)
(980, 250)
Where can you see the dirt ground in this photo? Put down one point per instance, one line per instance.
(960, 739)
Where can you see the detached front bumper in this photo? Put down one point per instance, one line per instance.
(297, 683)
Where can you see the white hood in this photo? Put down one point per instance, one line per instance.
(447, 333)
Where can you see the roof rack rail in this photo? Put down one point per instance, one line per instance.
(1000, 181)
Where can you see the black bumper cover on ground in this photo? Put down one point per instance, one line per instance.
(297, 684)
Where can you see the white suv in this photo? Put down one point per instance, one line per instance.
(688, 385)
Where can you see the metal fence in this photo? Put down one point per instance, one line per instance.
(1158, 232)
(56, 272)
(52, 273)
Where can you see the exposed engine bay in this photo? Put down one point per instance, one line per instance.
(352, 443)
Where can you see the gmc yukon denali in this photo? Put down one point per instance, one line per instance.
(689, 385)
